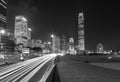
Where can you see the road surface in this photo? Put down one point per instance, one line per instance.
(75, 69)
(33, 70)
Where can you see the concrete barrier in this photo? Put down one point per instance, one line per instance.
(54, 76)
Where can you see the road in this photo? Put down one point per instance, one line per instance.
(33, 70)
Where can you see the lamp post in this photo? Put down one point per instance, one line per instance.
(53, 44)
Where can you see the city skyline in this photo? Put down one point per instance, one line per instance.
(60, 18)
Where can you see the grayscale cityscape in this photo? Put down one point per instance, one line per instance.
(58, 41)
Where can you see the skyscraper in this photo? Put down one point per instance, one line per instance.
(22, 32)
(81, 37)
(3, 14)
(56, 43)
(6, 38)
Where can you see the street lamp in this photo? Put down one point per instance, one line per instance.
(53, 42)
(52, 35)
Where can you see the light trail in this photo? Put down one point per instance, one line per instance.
(29, 76)
(24, 71)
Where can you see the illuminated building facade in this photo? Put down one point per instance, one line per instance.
(63, 43)
(7, 42)
(56, 43)
(3, 13)
(99, 48)
(22, 33)
(81, 38)
(32, 43)
(29, 33)
(38, 43)
(71, 42)
(35, 43)
(71, 46)
(6, 38)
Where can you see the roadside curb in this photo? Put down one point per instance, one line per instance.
(54, 75)
(47, 73)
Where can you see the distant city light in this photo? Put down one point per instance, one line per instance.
(109, 57)
(49, 42)
(2, 31)
(29, 29)
(71, 40)
(52, 35)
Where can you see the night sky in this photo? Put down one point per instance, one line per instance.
(102, 20)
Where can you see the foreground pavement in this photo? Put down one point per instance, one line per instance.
(33, 70)
(71, 70)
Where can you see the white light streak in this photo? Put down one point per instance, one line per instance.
(29, 76)
(26, 70)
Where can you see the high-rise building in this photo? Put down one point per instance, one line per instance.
(63, 43)
(56, 43)
(6, 38)
(3, 14)
(22, 33)
(81, 34)
(7, 42)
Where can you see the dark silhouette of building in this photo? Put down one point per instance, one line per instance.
(7, 42)
(63, 43)
(6, 38)
(3, 13)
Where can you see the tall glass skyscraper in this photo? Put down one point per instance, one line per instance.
(22, 33)
(3, 13)
(21, 29)
(81, 38)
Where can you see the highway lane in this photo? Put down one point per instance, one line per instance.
(33, 70)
